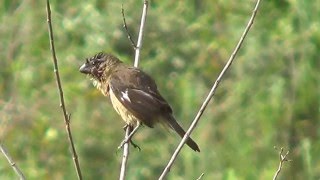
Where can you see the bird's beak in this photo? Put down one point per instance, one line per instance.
(85, 68)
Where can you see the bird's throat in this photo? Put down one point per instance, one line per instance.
(102, 86)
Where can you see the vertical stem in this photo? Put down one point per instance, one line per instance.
(136, 63)
(139, 43)
(59, 85)
(125, 156)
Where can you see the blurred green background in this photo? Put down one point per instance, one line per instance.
(270, 97)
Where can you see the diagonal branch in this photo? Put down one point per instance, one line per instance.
(59, 85)
(200, 177)
(11, 162)
(211, 93)
(136, 63)
(126, 28)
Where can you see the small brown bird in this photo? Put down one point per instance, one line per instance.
(133, 93)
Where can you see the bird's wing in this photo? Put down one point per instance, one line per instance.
(139, 94)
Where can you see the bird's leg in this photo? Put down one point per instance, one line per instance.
(135, 145)
(128, 138)
(131, 141)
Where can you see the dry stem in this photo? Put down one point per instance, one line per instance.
(211, 93)
(136, 63)
(59, 85)
(282, 158)
(11, 162)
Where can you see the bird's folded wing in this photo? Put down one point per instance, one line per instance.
(143, 103)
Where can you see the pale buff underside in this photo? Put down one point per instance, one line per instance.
(117, 105)
(127, 117)
(122, 111)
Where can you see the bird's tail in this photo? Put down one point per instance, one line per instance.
(176, 126)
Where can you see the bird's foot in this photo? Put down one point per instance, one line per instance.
(135, 145)
(126, 140)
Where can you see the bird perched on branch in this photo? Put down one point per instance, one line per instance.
(133, 93)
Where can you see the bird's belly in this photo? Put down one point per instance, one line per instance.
(128, 117)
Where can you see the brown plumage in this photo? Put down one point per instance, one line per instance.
(133, 93)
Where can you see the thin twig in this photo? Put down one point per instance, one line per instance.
(200, 177)
(125, 156)
(211, 93)
(139, 43)
(126, 28)
(59, 85)
(282, 158)
(136, 63)
(11, 162)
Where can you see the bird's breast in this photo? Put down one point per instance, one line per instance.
(126, 115)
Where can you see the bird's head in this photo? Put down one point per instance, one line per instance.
(99, 66)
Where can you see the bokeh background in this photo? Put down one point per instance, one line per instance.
(270, 97)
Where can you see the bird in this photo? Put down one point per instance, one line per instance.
(133, 94)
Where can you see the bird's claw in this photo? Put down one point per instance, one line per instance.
(126, 140)
(135, 145)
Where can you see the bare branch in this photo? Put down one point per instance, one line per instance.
(125, 156)
(200, 177)
(139, 43)
(126, 28)
(283, 158)
(211, 93)
(136, 63)
(11, 162)
(59, 85)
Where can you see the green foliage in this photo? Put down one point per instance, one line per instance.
(270, 97)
